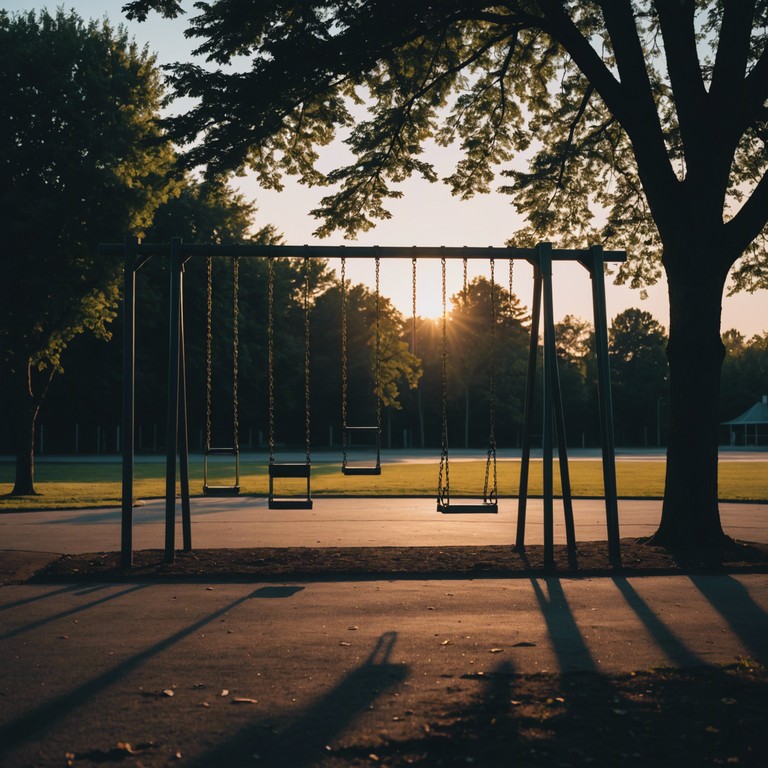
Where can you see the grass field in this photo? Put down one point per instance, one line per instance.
(91, 484)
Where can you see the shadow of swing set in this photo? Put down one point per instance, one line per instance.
(135, 254)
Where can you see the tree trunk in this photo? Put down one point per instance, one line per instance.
(25, 411)
(690, 513)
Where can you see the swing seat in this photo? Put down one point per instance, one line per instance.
(361, 466)
(353, 468)
(289, 470)
(468, 508)
(221, 490)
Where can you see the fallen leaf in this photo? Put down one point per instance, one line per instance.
(351, 628)
(344, 644)
(168, 692)
(224, 692)
(446, 642)
(496, 650)
(244, 700)
(524, 645)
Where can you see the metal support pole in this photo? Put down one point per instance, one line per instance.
(562, 456)
(595, 267)
(530, 396)
(545, 264)
(186, 515)
(172, 426)
(129, 359)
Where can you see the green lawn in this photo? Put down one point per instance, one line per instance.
(88, 484)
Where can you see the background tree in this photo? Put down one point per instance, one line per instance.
(745, 373)
(574, 338)
(653, 111)
(639, 375)
(471, 353)
(399, 369)
(81, 158)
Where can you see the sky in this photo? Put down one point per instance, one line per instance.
(427, 214)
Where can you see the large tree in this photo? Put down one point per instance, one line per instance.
(81, 158)
(652, 113)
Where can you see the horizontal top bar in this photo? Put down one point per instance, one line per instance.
(355, 251)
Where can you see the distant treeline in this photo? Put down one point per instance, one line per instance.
(83, 409)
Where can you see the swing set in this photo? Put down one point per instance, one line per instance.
(593, 259)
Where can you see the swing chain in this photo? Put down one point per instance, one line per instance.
(490, 494)
(465, 291)
(235, 351)
(377, 353)
(443, 485)
(271, 355)
(306, 360)
(208, 352)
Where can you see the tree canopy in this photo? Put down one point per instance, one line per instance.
(82, 157)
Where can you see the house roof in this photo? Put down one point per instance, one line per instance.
(757, 414)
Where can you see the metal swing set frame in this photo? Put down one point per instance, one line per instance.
(135, 254)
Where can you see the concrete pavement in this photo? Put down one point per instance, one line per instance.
(315, 665)
(337, 522)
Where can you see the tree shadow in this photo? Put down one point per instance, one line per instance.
(664, 637)
(731, 599)
(304, 741)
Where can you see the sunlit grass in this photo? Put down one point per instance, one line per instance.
(91, 484)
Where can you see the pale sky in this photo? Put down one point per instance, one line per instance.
(426, 215)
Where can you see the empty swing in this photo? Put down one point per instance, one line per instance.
(234, 450)
(371, 466)
(287, 470)
(489, 503)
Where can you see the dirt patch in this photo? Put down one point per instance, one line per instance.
(590, 559)
(17, 566)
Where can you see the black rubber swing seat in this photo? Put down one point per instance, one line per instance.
(288, 470)
(467, 508)
(349, 469)
(221, 490)
(294, 469)
(362, 466)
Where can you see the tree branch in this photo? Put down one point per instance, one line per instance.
(639, 115)
(572, 130)
(677, 29)
(755, 90)
(732, 53)
(750, 221)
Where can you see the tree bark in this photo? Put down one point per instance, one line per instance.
(25, 411)
(690, 512)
